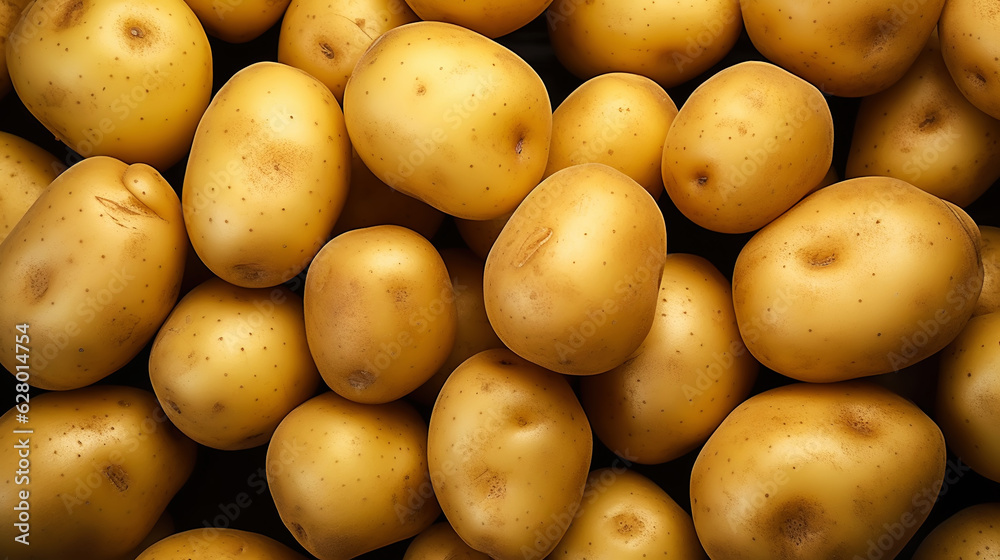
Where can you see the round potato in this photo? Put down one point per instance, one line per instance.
(973, 532)
(809, 471)
(27, 169)
(93, 267)
(238, 21)
(441, 542)
(989, 298)
(218, 543)
(667, 41)
(968, 390)
(229, 363)
(617, 119)
(267, 176)
(689, 373)
(626, 516)
(492, 18)
(966, 27)
(450, 117)
(851, 48)
(862, 277)
(380, 313)
(746, 145)
(571, 282)
(327, 38)
(163, 528)
(141, 75)
(509, 448)
(480, 235)
(348, 478)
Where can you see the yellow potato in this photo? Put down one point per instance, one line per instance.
(218, 544)
(93, 267)
(327, 37)
(348, 478)
(10, 11)
(746, 145)
(480, 235)
(989, 298)
(924, 131)
(809, 471)
(968, 389)
(163, 528)
(97, 472)
(440, 542)
(617, 119)
(380, 313)
(967, 29)
(27, 169)
(509, 448)
(851, 48)
(973, 532)
(450, 117)
(229, 363)
(626, 516)
(492, 18)
(267, 176)
(667, 41)
(689, 373)
(140, 78)
(571, 282)
(238, 21)
(863, 277)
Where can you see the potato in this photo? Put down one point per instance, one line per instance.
(863, 277)
(480, 235)
(852, 48)
(923, 131)
(267, 176)
(10, 11)
(440, 542)
(989, 298)
(509, 448)
(689, 373)
(93, 267)
(238, 21)
(450, 117)
(626, 516)
(380, 313)
(571, 282)
(968, 389)
(348, 478)
(229, 363)
(163, 528)
(670, 42)
(326, 38)
(746, 145)
(617, 119)
(973, 60)
(809, 471)
(219, 543)
(95, 474)
(141, 76)
(492, 18)
(973, 532)
(27, 169)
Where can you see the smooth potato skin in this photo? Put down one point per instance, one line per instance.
(491, 18)
(966, 28)
(218, 543)
(441, 542)
(989, 298)
(841, 286)
(973, 532)
(810, 471)
(27, 169)
(105, 462)
(238, 21)
(10, 12)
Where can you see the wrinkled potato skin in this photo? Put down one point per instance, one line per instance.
(27, 169)
(924, 131)
(218, 543)
(850, 48)
(238, 21)
(689, 373)
(862, 277)
(492, 18)
(968, 30)
(441, 542)
(747, 144)
(571, 281)
(810, 471)
(968, 389)
(973, 532)
(989, 298)
(94, 266)
(107, 463)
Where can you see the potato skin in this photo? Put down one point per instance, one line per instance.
(989, 298)
(10, 12)
(105, 462)
(238, 21)
(491, 18)
(810, 471)
(970, 533)
(966, 28)
(94, 266)
(27, 169)
(441, 542)
(843, 286)
(218, 543)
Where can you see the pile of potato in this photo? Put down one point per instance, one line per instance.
(510, 280)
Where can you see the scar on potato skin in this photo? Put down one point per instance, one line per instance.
(70, 14)
(361, 379)
(117, 476)
(531, 245)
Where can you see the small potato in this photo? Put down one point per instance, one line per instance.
(746, 145)
(27, 169)
(348, 478)
(973, 532)
(163, 528)
(218, 543)
(626, 516)
(380, 313)
(441, 542)
(989, 298)
(492, 18)
(10, 11)
(480, 235)
(238, 21)
(327, 38)
(229, 363)
(617, 119)
(689, 373)
(967, 29)
(968, 390)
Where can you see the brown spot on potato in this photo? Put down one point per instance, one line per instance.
(327, 50)
(361, 379)
(491, 485)
(539, 237)
(251, 272)
(629, 525)
(859, 420)
(117, 476)
(798, 524)
(38, 282)
(300, 532)
(218, 407)
(173, 406)
(421, 89)
(69, 14)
